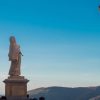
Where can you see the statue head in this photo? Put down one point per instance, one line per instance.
(12, 40)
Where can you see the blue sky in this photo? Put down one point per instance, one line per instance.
(59, 40)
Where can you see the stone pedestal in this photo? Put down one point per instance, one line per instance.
(16, 87)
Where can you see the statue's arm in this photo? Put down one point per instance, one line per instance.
(9, 53)
(20, 53)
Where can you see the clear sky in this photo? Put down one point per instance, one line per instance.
(60, 41)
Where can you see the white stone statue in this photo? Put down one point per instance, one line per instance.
(14, 57)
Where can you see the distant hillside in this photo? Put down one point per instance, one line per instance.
(95, 98)
(64, 93)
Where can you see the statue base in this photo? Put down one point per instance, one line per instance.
(16, 87)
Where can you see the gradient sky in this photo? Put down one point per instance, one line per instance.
(60, 41)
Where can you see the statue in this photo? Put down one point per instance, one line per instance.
(15, 84)
(15, 57)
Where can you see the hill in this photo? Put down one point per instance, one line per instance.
(64, 93)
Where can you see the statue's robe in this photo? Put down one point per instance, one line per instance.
(15, 58)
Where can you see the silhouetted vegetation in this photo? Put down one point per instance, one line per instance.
(34, 99)
(3, 98)
(41, 98)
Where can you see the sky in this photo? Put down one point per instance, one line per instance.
(59, 40)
